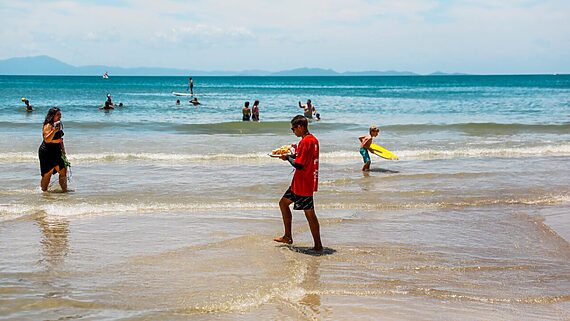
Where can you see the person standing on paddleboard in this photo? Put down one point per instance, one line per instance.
(365, 142)
(304, 183)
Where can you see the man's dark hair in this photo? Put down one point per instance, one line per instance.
(300, 120)
(247, 104)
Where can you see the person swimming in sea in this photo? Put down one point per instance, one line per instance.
(109, 103)
(194, 101)
(28, 107)
(108, 106)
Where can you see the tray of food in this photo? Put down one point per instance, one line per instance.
(283, 150)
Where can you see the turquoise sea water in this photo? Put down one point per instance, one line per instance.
(173, 208)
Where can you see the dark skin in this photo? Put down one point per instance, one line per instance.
(284, 203)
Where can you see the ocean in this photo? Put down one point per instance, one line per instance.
(173, 208)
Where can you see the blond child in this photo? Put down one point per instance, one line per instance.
(365, 142)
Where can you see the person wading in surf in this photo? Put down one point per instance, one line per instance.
(365, 142)
(304, 183)
(52, 149)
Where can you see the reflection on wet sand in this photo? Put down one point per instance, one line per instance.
(310, 304)
(55, 243)
(311, 284)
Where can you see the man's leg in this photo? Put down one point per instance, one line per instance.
(315, 228)
(287, 218)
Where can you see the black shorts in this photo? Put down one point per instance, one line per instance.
(300, 202)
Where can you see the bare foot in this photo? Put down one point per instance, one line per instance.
(284, 239)
(318, 249)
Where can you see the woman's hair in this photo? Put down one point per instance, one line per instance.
(50, 115)
(255, 103)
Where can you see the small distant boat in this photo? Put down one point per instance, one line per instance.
(106, 75)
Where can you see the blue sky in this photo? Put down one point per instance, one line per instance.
(483, 37)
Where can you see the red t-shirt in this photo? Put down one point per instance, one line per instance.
(305, 181)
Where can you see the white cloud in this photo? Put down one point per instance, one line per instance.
(199, 33)
(419, 35)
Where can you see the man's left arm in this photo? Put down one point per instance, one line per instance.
(291, 160)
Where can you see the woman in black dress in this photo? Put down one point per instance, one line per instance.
(52, 149)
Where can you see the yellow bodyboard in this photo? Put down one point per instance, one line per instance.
(382, 152)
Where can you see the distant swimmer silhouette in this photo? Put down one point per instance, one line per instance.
(194, 101)
(28, 106)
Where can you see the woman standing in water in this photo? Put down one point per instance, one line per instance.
(246, 112)
(52, 149)
(255, 111)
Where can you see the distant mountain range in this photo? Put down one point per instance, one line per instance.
(45, 65)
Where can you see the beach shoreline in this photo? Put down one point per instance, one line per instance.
(173, 208)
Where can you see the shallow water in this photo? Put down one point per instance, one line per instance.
(173, 208)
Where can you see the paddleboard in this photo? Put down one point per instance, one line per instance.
(181, 94)
(382, 152)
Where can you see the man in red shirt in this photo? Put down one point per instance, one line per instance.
(304, 184)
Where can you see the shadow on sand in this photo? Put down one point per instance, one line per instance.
(383, 170)
(309, 250)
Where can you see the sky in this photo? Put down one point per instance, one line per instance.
(423, 36)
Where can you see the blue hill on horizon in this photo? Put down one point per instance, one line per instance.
(48, 66)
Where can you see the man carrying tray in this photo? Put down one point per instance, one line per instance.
(304, 183)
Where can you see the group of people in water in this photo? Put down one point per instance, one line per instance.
(109, 104)
(194, 101)
(250, 114)
(309, 111)
(305, 160)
